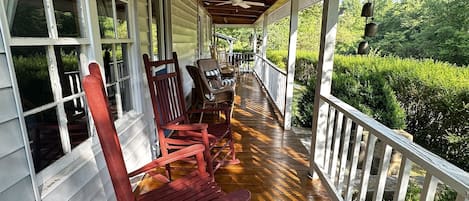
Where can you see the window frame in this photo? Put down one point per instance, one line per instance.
(87, 42)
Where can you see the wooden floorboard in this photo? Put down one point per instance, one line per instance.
(274, 163)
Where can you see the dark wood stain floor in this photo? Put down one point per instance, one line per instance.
(274, 163)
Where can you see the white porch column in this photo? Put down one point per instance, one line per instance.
(291, 63)
(264, 48)
(231, 47)
(166, 46)
(254, 40)
(323, 82)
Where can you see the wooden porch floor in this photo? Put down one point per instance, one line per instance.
(274, 163)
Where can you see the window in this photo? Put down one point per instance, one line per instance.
(117, 78)
(114, 32)
(49, 71)
(26, 18)
(55, 114)
(66, 13)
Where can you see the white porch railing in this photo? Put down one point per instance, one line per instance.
(273, 79)
(245, 61)
(341, 145)
(339, 149)
(73, 78)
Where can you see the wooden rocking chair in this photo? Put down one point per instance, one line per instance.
(171, 116)
(205, 94)
(197, 185)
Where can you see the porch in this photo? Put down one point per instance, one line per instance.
(274, 162)
(353, 157)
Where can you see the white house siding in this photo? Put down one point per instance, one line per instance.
(15, 176)
(80, 175)
(88, 177)
(184, 30)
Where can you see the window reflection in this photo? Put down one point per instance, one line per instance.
(105, 15)
(126, 96)
(124, 77)
(117, 78)
(77, 121)
(154, 29)
(111, 96)
(32, 73)
(66, 14)
(122, 15)
(121, 56)
(26, 18)
(44, 138)
(68, 68)
(108, 60)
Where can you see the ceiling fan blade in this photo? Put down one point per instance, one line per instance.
(242, 5)
(251, 3)
(224, 3)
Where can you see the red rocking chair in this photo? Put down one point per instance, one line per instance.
(171, 116)
(195, 186)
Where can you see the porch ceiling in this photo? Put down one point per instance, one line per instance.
(230, 14)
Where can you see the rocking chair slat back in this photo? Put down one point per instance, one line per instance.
(167, 91)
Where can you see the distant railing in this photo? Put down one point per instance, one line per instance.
(244, 60)
(73, 78)
(273, 79)
(338, 150)
(74, 81)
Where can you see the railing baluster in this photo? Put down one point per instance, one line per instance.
(370, 147)
(438, 170)
(429, 188)
(343, 157)
(403, 182)
(330, 133)
(382, 172)
(353, 165)
(274, 81)
(335, 152)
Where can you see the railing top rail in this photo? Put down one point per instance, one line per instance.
(435, 165)
(72, 72)
(272, 65)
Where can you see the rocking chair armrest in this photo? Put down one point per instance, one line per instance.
(186, 127)
(221, 90)
(199, 135)
(175, 156)
(212, 109)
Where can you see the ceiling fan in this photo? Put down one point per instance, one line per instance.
(240, 3)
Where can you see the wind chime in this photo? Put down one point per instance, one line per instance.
(370, 28)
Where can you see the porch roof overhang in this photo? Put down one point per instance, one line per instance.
(233, 14)
(236, 16)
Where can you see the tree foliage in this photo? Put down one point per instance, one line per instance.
(434, 29)
(244, 37)
(437, 29)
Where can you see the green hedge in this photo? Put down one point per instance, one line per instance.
(429, 99)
